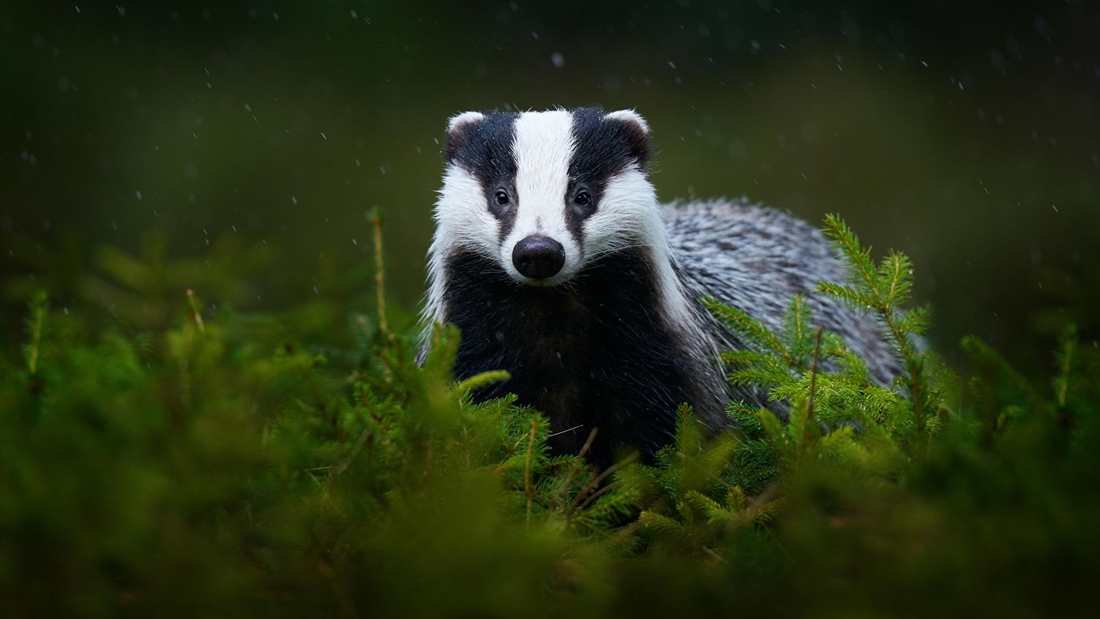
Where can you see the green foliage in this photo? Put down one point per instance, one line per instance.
(159, 456)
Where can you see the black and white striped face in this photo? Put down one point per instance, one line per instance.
(543, 193)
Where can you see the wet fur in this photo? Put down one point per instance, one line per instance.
(592, 353)
(618, 340)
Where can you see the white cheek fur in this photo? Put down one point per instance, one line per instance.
(461, 215)
(462, 221)
(626, 213)
(629, 215)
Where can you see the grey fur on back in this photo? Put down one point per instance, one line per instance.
(613, 335)
(756, 259)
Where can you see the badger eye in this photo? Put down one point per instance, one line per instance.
(582, 198)
(502, 197)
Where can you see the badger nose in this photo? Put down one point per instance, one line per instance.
(538, 257)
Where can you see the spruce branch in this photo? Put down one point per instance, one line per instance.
(983, 354)
(883, 290)
(578, 465)
(481, 380)
(813, 376)
(743, 324)
(595, 481)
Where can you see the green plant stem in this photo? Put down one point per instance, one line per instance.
(527, 468)
(379, 280)
(36, 337)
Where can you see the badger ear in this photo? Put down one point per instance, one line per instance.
(458, 131)
(635, 131)
(629, 116)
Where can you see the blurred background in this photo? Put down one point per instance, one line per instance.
(258, 134)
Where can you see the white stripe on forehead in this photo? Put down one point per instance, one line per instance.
(543, 148)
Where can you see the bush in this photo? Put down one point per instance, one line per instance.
(193, 461)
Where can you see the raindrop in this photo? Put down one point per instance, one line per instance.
(557, 59)
(293, 200)
(1041, 26)
(997, 59)
(138, 194)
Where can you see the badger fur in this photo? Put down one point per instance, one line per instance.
(555, 260)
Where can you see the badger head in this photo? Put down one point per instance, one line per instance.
(543, 194)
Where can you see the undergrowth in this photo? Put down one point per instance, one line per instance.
(192, 460)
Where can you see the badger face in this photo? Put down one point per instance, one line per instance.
(544, 193)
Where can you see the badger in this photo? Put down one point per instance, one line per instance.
(557, 263)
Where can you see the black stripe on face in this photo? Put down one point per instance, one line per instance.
(484, 149)
(603, 148)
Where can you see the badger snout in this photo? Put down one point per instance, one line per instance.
(538, 257)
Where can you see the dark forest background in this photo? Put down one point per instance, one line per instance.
(966, 134)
